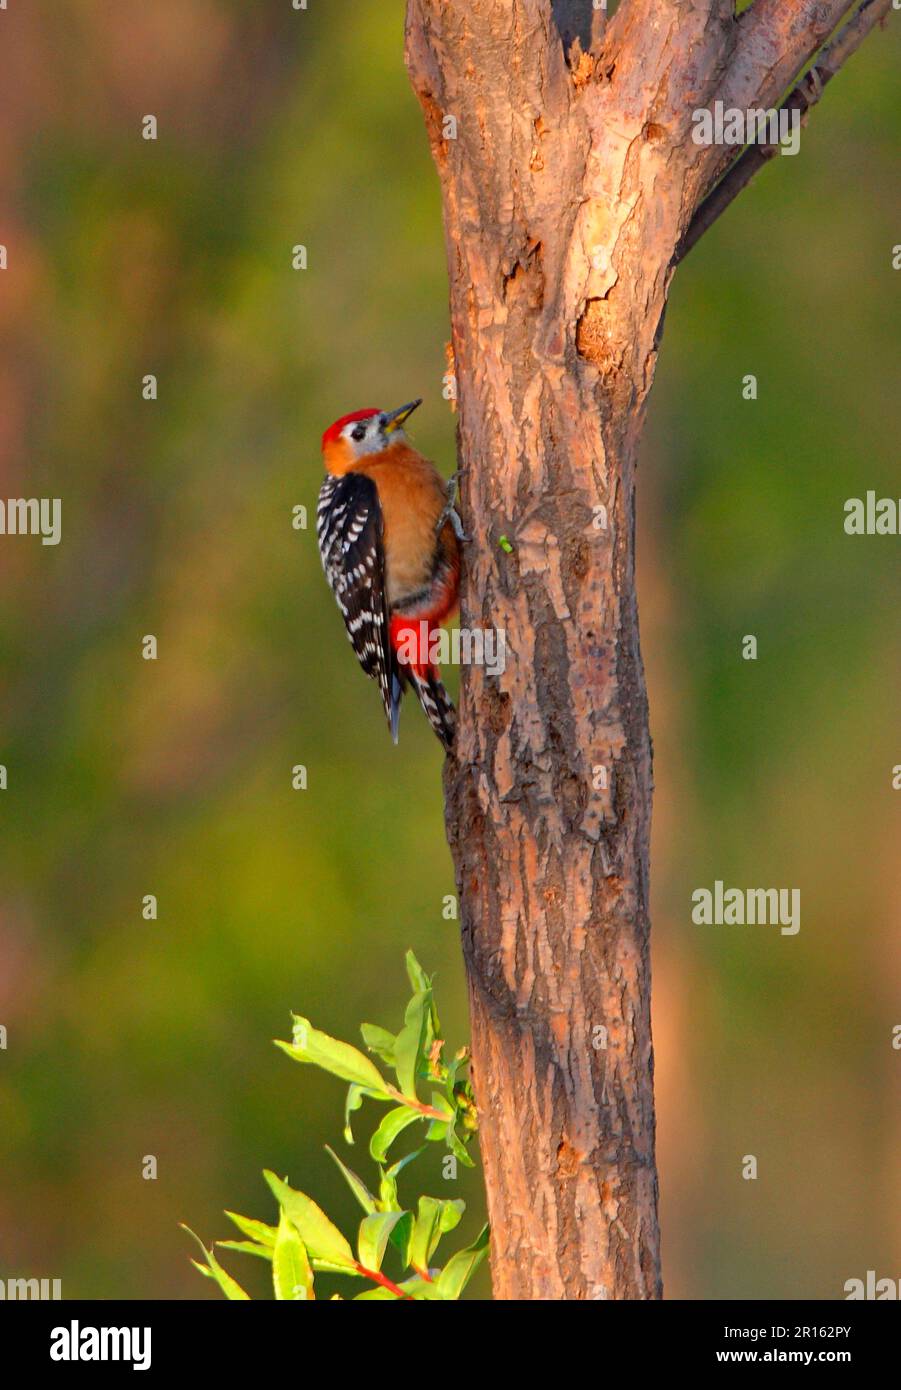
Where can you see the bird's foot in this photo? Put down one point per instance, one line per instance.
(450, 512)
(453, 517)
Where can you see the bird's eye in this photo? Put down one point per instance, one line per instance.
(359, 432)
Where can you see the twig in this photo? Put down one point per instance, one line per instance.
(428, 1111)
(804, 96)
(383, 1281)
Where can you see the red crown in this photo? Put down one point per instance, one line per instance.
(334, 430)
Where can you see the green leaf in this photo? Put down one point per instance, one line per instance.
(423, 1290)
(328, 1267)
(460, 1267)
(401, 1237)
(451, 1215)
(379, 1041)
(435, 1217)
(322, 1239)
(401, 1163)
(388, 1198)
(213, 1270)
(394, 1123)
(356, 1185)
(373, 1238)
(257, 1230)
(440, 1102)
(458, 1148)
(450, 1079)
(339, 1058)
(438, 1129)
(229, 1286)
(246, 1247)
(353, 1102)
(409, 1049)
(426, 1232)
(292, 1278)
(420, 982)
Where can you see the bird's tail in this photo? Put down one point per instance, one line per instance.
(436, 703)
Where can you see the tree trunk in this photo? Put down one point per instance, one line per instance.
(561, 219)
(568, 183)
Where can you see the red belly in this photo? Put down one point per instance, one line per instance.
(424, 618)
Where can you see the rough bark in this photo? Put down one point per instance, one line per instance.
(567, 189)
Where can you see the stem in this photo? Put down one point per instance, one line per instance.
(378, 1278)
(419, 1105)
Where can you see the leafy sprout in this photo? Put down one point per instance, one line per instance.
(428, 1090)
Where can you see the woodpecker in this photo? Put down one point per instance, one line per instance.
(389, 537)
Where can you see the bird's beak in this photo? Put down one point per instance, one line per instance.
(395, 418)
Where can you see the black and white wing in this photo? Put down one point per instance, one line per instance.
(349, 531)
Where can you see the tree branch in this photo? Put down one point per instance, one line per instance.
(776, 40)
(804, 96)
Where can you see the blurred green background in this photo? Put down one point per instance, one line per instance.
(126, 777)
